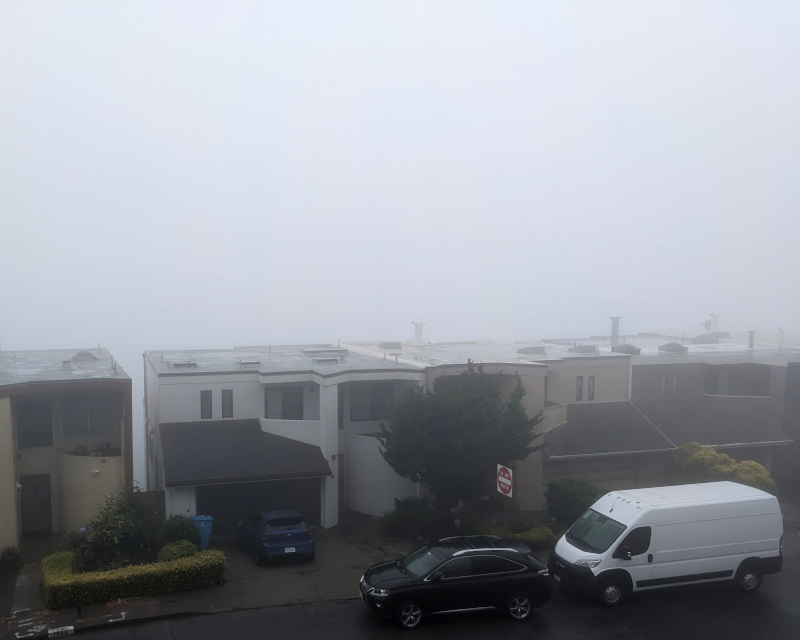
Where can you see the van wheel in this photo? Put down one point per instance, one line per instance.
(519, 607)
(748, 579)
(613, 591)
(409, 615)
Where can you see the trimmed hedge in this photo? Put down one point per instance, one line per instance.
(64, 588)
(538, 538)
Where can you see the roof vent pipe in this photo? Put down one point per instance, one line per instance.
(751, 340)
(615, 330)
(418, 332)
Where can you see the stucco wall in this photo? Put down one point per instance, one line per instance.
(179, 398)
(9, 529)
(612, 379)
(83, 492)
(371, 484)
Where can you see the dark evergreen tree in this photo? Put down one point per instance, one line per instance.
(453, 438)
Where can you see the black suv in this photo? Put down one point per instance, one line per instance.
(462, 572)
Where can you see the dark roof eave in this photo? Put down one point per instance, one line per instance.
(736, 445)
(212, 481)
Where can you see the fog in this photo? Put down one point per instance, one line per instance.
(210, 174)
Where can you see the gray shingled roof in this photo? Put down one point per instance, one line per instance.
(636, 426)
(197, 453)
(603, 428)
(705, 419)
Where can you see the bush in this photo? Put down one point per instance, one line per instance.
(124, 531)
(64, 588)
(179, 527)
(538, 538)
(176, 550)
(567, 499)
(704, 463)
(417, 523)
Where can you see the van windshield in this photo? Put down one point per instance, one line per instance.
(594, 532)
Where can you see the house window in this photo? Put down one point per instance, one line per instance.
(590, 389)
(205, 405)
(75, 416)
(370, 401)
(284, 403)
(83, 415)
(227, 403)
(579, 389)
(674, 384)
(34, 418)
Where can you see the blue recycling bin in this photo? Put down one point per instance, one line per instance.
(204, 524)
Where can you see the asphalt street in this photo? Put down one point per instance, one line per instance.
(701, 612)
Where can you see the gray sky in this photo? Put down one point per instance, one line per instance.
(211, 174)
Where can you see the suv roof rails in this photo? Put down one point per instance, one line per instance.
(461, 552)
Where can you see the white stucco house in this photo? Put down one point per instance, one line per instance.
(234, 430)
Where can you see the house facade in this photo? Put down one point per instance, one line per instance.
(738, 397)
(215, 418)
(65, 439)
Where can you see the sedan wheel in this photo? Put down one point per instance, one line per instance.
(409, 615)
(519, 607)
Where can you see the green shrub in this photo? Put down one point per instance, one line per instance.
(417, 523)
(65, 588)
(125, 531)
(538, 538)
(176, 550)
(700, 463)
(568, 498)
(179, 527)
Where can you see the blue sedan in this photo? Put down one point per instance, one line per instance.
(277, 533)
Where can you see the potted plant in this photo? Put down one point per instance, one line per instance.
(9, 555)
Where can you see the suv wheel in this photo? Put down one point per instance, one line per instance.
(519, 607)
(409, 615)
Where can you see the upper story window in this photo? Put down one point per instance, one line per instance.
(227, 403)
(579, 389)
(669, 384)
(283, 403)
(205, 405)
(34, 420)
(370, 400)
(590, 389)
(89, 414)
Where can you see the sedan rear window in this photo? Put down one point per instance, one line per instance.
(284, 524)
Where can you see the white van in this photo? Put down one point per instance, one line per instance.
(664, 536)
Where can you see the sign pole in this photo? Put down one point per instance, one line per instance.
(505, 486)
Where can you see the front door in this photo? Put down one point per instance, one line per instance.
(35, 505)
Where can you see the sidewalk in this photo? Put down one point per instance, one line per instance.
(342, 555)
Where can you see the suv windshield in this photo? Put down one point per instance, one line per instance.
(422, 561)
(594, 532)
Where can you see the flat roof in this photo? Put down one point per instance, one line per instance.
(58, 365)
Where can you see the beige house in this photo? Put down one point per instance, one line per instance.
(65, 439)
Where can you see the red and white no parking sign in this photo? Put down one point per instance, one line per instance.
(504, 483)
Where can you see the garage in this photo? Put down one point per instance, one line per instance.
(230, 503)
(236, 468)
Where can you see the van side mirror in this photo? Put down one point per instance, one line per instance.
(623, 552)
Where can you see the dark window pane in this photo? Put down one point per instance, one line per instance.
(493, 564)
(34, 422)
(579, 388)
(637, 541)
(75, 416)
(293, 403)
(457, 568)
(205, 405)
(103, 416)
(227, 403)
(590, 389)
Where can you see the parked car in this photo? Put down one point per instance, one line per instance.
(460, 572)
(276, 533)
